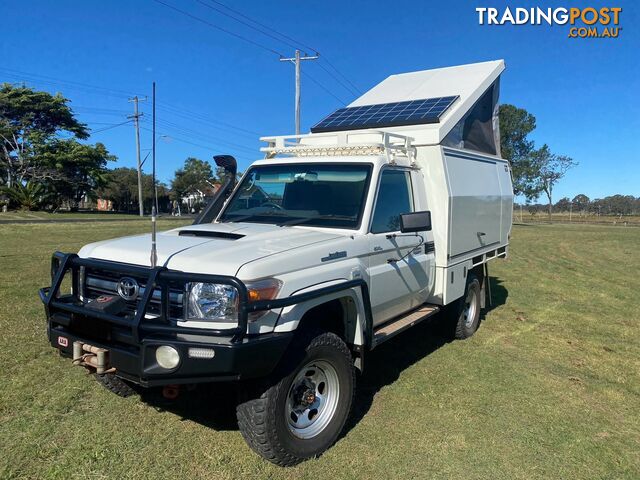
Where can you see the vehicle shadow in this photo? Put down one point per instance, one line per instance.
(384, 365)
(213, 405)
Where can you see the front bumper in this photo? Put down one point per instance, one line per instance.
(131, 338)
(252, 357)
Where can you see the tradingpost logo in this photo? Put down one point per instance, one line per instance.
(586, 22)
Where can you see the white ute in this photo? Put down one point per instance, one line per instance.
(332, 244)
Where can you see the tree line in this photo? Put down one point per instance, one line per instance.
(619, 205)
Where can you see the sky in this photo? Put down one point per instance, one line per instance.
(220, 84)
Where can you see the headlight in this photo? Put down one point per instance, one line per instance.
(211, 301)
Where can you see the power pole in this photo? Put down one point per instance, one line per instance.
(136, 116)
(570, 210)
(296, 61)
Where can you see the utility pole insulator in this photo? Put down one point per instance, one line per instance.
(296, 61)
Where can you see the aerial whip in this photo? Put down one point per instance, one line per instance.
(154, 253)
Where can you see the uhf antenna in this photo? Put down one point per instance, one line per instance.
(154, 254)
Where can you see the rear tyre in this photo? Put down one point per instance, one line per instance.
(115, 384)
(304, 410)
(467, 309)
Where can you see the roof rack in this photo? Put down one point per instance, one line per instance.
(371, 142)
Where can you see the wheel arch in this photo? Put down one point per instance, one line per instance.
(342, 313)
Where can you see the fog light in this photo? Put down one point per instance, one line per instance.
(167, 357)
(204, 353)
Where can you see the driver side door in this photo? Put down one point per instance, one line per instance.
(398, 272)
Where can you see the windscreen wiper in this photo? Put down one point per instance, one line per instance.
(242, 218)
(301, 221)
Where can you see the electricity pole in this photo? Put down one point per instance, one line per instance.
(296, 61)
(570, 210)
(136, 116)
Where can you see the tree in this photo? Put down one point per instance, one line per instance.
(81, 169)
(581, 202)
(28, 121)
(548, 169)
(121, 187)
(515, 126)
(563, 205)
(30, 196)
(195, 176)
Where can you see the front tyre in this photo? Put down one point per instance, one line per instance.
(303, 412)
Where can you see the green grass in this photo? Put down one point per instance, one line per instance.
(549, 387)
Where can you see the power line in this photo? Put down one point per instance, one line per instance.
(45, 79)
(201, 136)
(228, 32)
(296, 43)
(306, 74)
(349, 89)
(181, 112)
(343, 76)
(267, 33)
(100, 110)
(291, 42)
(206, 147)
(120, 93)
(110, 127)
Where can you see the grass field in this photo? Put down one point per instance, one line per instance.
(22, 216)
(549, 387)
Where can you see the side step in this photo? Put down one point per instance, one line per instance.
(391, 329)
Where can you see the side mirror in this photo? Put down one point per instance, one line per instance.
(415, 222)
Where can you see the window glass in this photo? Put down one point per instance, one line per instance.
(394, 199)
(322, 195)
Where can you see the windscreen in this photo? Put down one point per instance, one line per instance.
(322, 195)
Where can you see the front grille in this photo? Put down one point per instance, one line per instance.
(100, 282)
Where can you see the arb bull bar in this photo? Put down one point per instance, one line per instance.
(157, 278)
(133, 336)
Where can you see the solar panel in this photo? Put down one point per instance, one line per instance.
(412, 112)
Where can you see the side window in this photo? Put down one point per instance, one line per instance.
(394, 198)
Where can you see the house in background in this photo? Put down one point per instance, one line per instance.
(194, 200)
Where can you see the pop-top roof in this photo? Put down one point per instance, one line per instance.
(404, 103)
